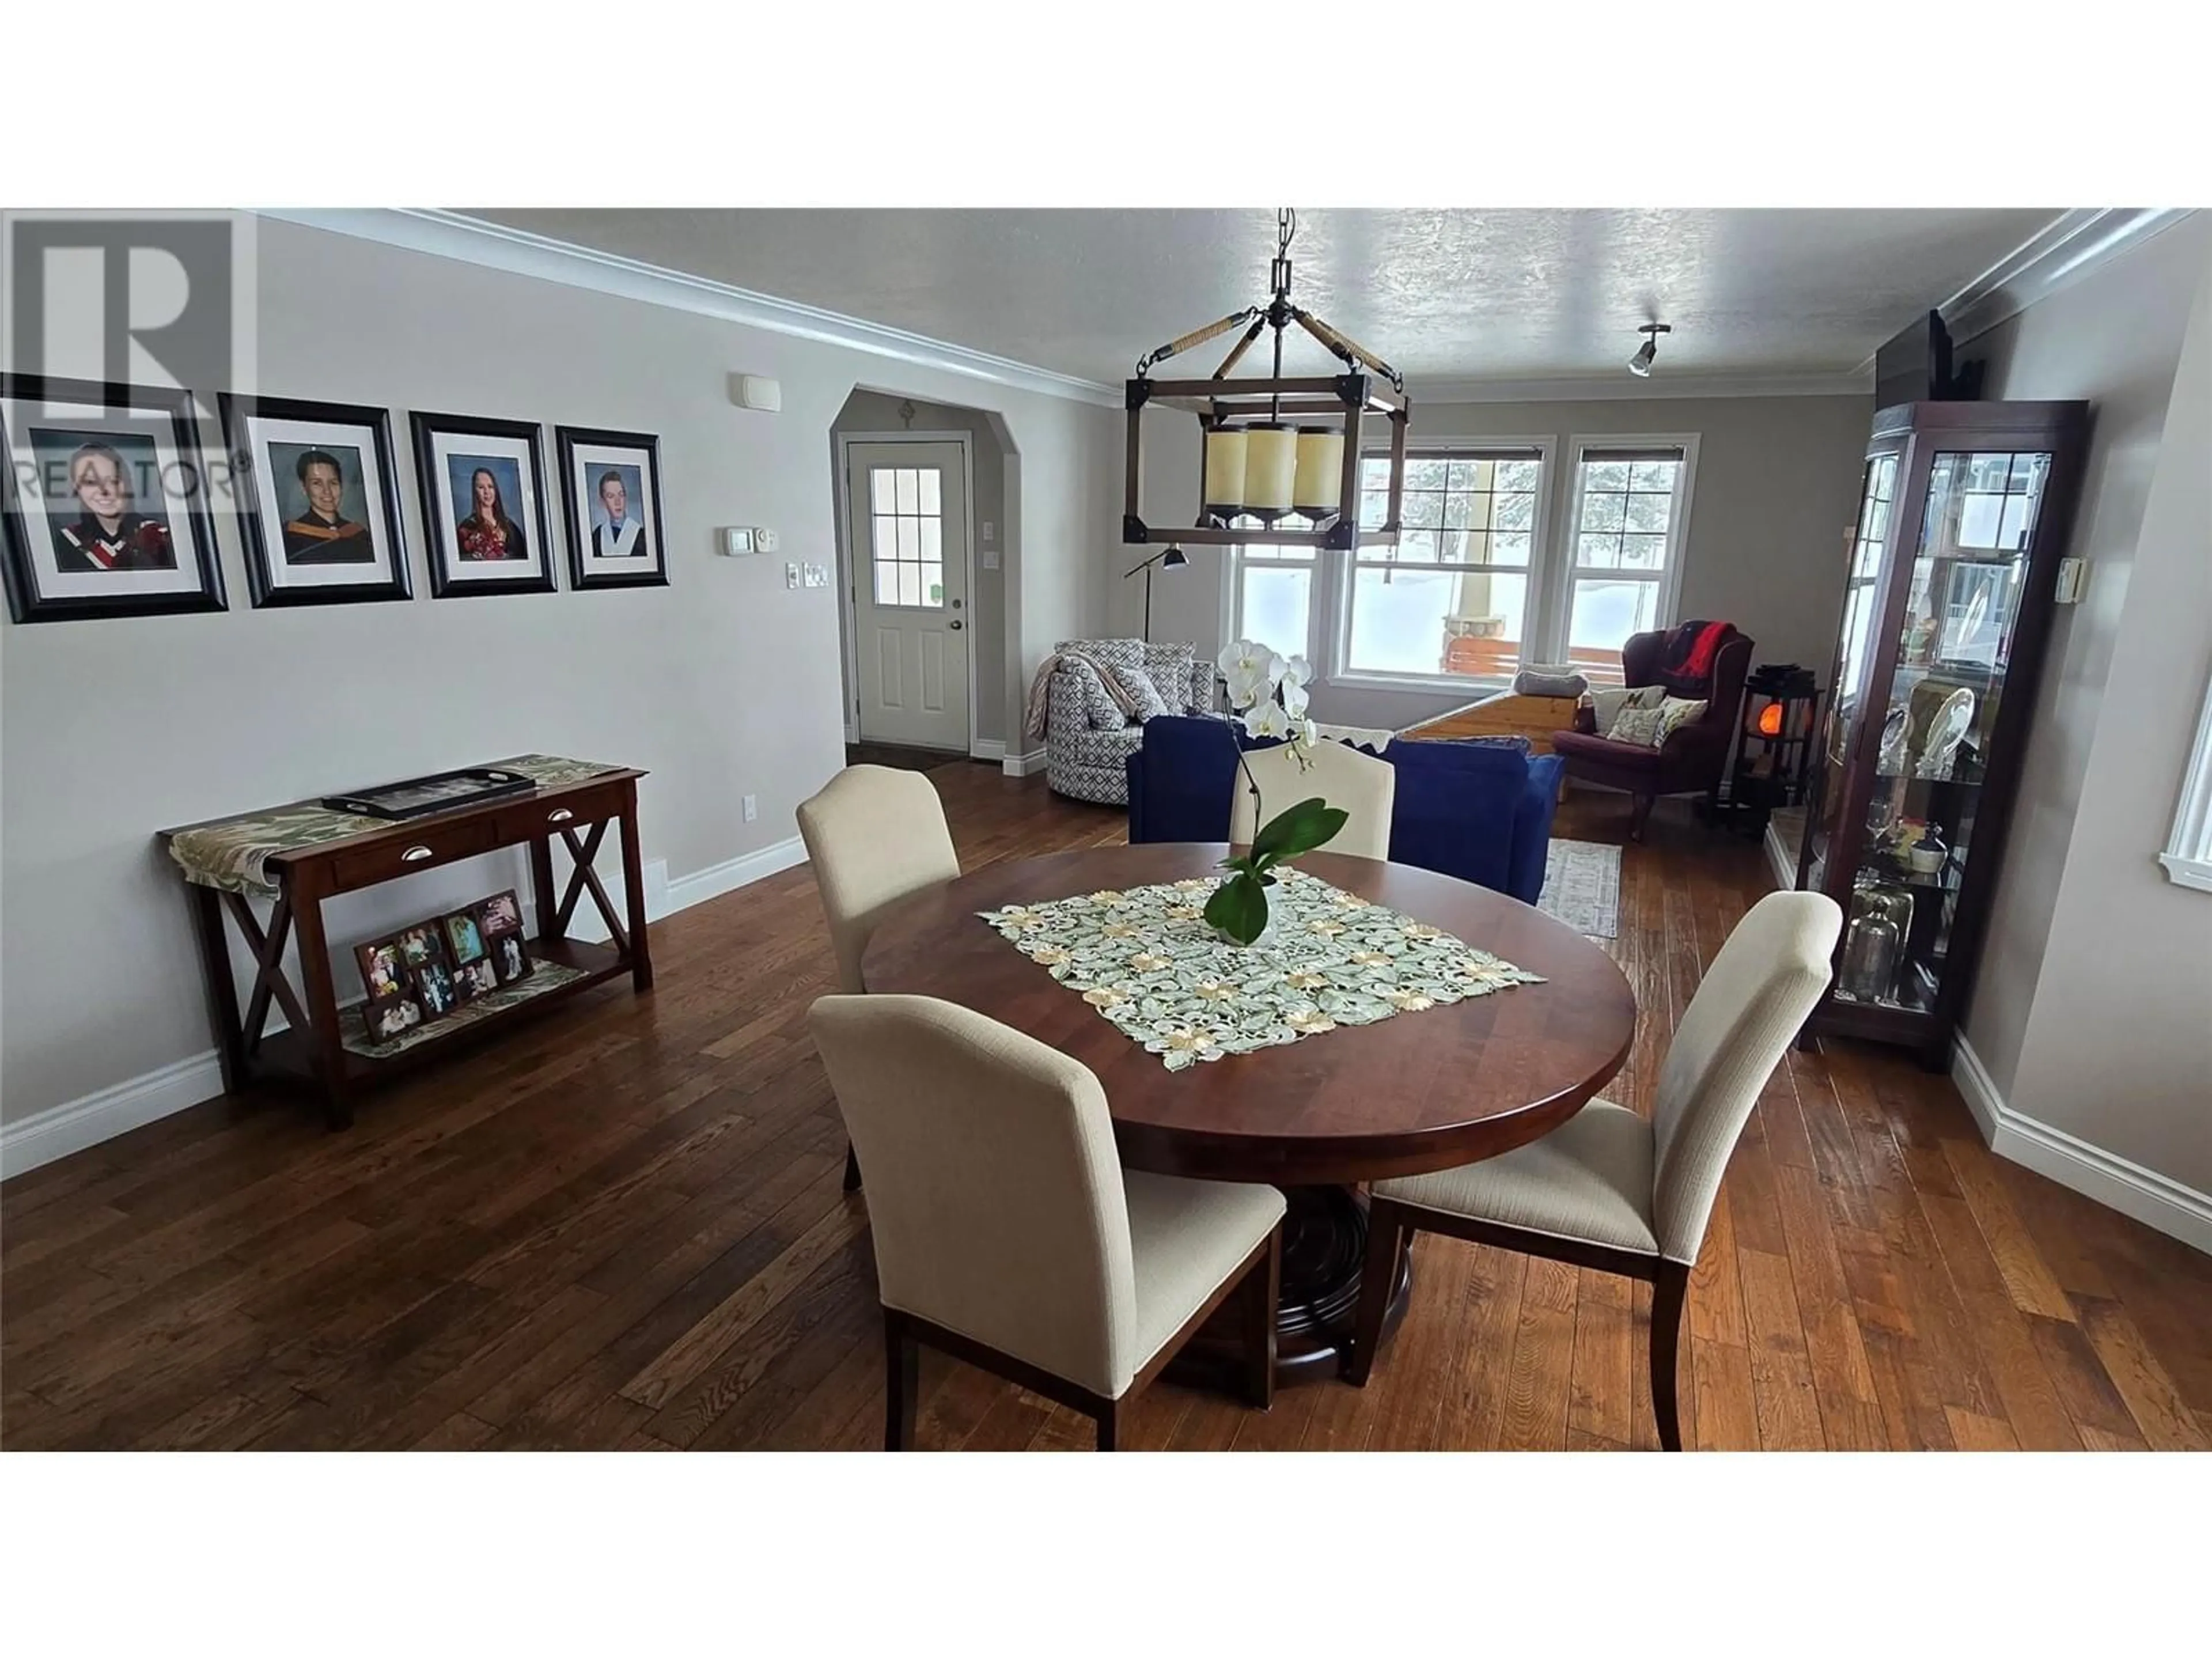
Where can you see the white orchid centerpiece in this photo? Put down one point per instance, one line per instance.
(1269, 692)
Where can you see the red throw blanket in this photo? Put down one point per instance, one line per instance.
(1689, 654)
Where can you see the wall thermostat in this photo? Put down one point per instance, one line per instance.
(737, 541)
(765, 541)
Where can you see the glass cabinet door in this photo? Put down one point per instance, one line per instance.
(1937, 712)
(1854, 656)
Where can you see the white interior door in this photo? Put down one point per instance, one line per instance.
(906, 505)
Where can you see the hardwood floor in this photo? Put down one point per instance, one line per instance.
(625, 1229)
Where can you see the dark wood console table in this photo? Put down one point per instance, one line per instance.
(302, 854)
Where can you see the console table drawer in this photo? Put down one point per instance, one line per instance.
(423, 849)
(527, 820)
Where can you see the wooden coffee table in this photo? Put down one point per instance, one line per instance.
(1429, 1091)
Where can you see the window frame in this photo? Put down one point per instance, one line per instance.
(1559, 607)
(2188, 854)
(1336, 658)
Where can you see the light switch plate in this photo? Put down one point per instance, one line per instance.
(2073, 580)
(791, 576)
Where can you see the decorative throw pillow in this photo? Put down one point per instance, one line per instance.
(1168, 665)
(1650, 727)
(1150, 700)
(1609, 703)
(1098, 705)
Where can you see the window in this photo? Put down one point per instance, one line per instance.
(907, 543)
(2188, 856)
(1275, 592)
(1629, 507)
(1451, 599)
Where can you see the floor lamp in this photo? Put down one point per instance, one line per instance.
(1173, 558)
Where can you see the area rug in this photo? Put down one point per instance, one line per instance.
(1582, 887)
(1146, 960)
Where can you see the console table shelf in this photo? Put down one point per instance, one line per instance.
(300, 856)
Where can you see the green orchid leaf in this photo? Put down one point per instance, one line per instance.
(1239, 909)
(1299, 829)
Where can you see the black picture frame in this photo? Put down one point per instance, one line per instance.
(238, 413)
(27, 601)
(445, 583)
(583, 571)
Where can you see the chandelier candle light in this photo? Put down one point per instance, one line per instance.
(1276, 446)
(1269, 692)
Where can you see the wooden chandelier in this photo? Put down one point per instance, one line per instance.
(1276, 446)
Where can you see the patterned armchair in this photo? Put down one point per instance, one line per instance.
(1088, 739)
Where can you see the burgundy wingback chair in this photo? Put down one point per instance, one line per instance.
(1692, 758)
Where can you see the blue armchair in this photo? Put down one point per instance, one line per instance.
(1478, 809)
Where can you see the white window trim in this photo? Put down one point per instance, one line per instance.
(2188, 854)
(1334, 626)
(1559, 597)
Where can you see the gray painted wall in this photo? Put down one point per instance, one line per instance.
(723, 683)
(878, 412)
(1776, 486)
(2094, 1010)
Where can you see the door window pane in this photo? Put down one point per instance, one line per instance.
(908, 535)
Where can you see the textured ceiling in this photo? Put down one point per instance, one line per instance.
(1458, 293)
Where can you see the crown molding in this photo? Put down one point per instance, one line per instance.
(1625, 387)
(2064, 252)
(479, 242)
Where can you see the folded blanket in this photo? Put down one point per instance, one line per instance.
(1041, 687)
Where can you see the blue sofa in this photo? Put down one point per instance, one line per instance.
(1478, 809)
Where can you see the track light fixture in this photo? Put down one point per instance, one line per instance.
(1640, 364)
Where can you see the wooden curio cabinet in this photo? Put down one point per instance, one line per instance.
(1947, 600)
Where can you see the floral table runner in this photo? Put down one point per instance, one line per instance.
(234, 854)
(1146, 960)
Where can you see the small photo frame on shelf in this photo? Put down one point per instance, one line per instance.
(510, 958)
(474, 980)
(318, 499)
(500, 914)
(434, 985)
(421, 945)
(103, 502)
(464, 939)
(611, 503)
(483, 505)
(383, 970)
(390, 1017)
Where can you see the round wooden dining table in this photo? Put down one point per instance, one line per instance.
(1448, 1086)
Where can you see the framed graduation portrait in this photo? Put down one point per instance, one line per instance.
(483, 505)
(103, 502)
(318, 499)
(610, 501)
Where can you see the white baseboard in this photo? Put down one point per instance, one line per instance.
(988, 749)
(76, 1124)
(2157, 1200)
(1022, 766)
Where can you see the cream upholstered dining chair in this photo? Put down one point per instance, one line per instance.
(1007, 1233)
(874, 835)
(1364, 786)
(1609, 1190)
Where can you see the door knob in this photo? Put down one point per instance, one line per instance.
(955, 624)
(956, 604)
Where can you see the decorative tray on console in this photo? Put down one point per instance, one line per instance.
(437, 791)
